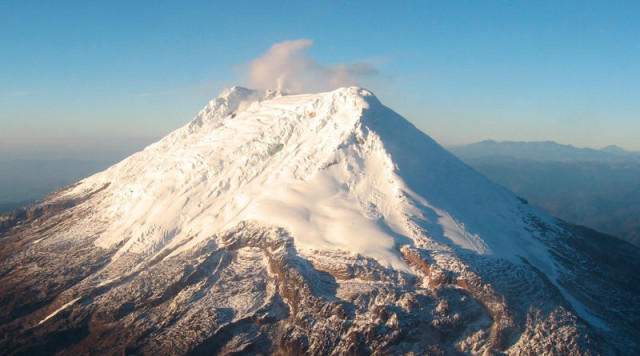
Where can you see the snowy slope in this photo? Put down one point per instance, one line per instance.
(338, 170)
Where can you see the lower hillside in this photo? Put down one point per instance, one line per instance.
(249, 291)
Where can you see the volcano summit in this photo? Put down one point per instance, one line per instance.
(317, 223)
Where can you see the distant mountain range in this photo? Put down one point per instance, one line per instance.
(595, 188)
(546, 151)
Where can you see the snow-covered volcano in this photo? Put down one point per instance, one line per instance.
(319, 223)
(338, 170)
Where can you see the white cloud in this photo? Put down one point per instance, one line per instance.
(287, 67)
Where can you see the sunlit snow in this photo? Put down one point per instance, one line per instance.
(317, 165)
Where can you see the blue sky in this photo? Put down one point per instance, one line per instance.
(102, 79)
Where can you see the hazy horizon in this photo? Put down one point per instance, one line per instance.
(102, 79)
(127, 147)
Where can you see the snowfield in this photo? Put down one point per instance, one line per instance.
(328, 167)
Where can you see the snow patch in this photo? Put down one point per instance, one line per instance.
(58, 310)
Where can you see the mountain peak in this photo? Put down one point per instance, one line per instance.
(338, 170)
(542, 151)
(236, 99)
(614, 149)
(289, 160)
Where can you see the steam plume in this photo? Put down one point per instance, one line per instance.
(286, 67)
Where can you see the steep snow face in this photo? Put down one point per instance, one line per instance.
(338, 170)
